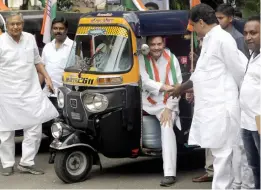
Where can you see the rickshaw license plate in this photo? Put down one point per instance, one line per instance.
(76, 116)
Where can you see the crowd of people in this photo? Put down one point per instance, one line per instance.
(227, 74)
(224, 80)
(225, 87)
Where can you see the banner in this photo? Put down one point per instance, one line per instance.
(49, 15)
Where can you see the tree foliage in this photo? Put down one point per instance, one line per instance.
(251, 7)
(248, 7)
(179, 4)
(64, 5)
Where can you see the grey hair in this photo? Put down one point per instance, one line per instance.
(12, 14)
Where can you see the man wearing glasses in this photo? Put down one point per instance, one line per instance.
(23, 105)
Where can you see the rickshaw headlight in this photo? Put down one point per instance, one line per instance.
(95, 102)
(57, 130)
(60, 99)
(60, 129)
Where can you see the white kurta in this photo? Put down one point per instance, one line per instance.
(55, 61)
(23, 103)
(216, 82)
(151, 87)
(250, 95)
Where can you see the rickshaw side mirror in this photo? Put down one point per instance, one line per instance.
(145, 49)
(2, 24)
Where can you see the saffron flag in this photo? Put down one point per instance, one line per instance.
(49, 15)
(3, 7)
(193, 3)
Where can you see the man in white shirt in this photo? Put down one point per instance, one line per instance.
(250, 98)
(216, 80)
(159, 71)
(23, 105)
(55, 56)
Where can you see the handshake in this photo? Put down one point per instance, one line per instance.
(174, 91)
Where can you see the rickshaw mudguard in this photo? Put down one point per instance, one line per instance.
(76, 139)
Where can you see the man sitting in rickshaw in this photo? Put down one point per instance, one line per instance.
(159, 71)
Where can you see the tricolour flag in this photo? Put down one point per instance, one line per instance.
(139, 4)
(193, 3)
(193, 41)
(49, 15)
(129, 5)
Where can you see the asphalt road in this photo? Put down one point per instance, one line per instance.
(139, 173)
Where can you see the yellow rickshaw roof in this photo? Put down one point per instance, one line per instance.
(102, 30)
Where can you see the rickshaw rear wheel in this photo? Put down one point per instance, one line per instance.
(73, 165)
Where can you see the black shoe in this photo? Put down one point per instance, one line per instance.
(30, 169)
(8, 171)
(168, 181)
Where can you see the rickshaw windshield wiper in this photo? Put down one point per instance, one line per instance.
(88, 62)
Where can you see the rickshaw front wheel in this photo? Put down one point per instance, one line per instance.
(73, 165)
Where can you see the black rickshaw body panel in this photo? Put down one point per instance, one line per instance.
(115, 131)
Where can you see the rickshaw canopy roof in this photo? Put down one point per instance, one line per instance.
(153, 23)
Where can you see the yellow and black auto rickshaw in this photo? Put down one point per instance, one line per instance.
(101, 95)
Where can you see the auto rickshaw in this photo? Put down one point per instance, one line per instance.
(101, 95)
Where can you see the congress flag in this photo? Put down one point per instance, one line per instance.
(49, 15)
(193, 3)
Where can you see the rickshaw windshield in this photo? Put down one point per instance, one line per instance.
(105, 49)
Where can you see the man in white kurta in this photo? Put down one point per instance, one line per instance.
(243, 177)
(216, 118)
(55, 57)
(250, 109)
(23, 105)
(216, 83)
(159, 70)
(250, 98)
